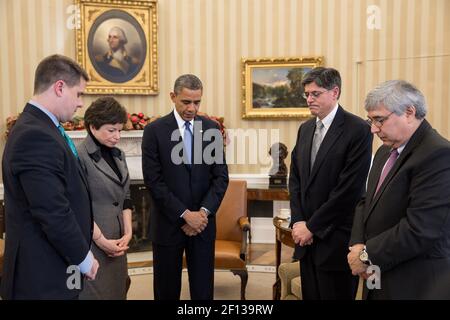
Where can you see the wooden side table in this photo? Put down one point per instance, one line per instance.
(264, 193)
(267, 194)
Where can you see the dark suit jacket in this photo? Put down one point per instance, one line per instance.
(406, 226)
(48, 211)
(327, 196)
(176, 187)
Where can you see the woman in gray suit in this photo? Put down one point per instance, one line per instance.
(109, 183)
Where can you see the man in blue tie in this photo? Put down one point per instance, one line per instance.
(186, 190)
(47, 203)
(188, 140)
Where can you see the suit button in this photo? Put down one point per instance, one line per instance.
(115, 204)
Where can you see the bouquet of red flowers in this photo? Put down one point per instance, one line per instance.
(137, 121)
(10, 122)
(219, 121)
(77, 123)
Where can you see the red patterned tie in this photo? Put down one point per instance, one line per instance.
(389, 164)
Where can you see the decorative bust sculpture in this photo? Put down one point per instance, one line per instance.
(278, 172)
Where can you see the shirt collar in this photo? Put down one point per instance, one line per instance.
(329, 118)
(181, 122)
(402, 147)
(44, 110)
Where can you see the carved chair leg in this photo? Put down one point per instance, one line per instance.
(243, 274)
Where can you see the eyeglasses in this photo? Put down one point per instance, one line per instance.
(314, 94)
(378, 121)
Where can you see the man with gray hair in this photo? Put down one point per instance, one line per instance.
(400, 239)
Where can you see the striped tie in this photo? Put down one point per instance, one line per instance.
(388, 166)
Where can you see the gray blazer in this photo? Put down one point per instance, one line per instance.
(108, 194)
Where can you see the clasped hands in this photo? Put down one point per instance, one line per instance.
(114, 247)
(196, 222)
(356, 265)
(301, 234)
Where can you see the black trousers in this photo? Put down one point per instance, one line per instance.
(168, 264)
(317, 284)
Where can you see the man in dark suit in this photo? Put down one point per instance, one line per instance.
(329, 167)
(402, 225)
(47, 205)
(186, 190)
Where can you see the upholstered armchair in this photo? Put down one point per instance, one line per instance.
(232, 231)
(289, 274)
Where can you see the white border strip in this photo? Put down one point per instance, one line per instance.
(250, 268)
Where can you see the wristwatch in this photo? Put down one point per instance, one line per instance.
(364, 257)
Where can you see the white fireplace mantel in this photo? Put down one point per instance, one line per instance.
(130, 143)
(262, 229)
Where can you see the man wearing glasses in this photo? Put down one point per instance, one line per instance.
(329, 168)
(402, 225)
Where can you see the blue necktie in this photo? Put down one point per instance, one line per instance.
(68, 140)
(187, 139)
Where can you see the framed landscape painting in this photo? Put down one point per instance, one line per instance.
(272, 87)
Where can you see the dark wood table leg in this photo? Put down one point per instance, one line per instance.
(277, 285)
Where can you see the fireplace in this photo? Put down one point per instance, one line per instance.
(140, 198)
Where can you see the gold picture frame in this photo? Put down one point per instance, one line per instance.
(272, 87)
(117, 46)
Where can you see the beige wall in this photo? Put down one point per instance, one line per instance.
(209, 37)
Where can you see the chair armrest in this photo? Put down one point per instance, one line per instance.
(286, 272)
(244, 223)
